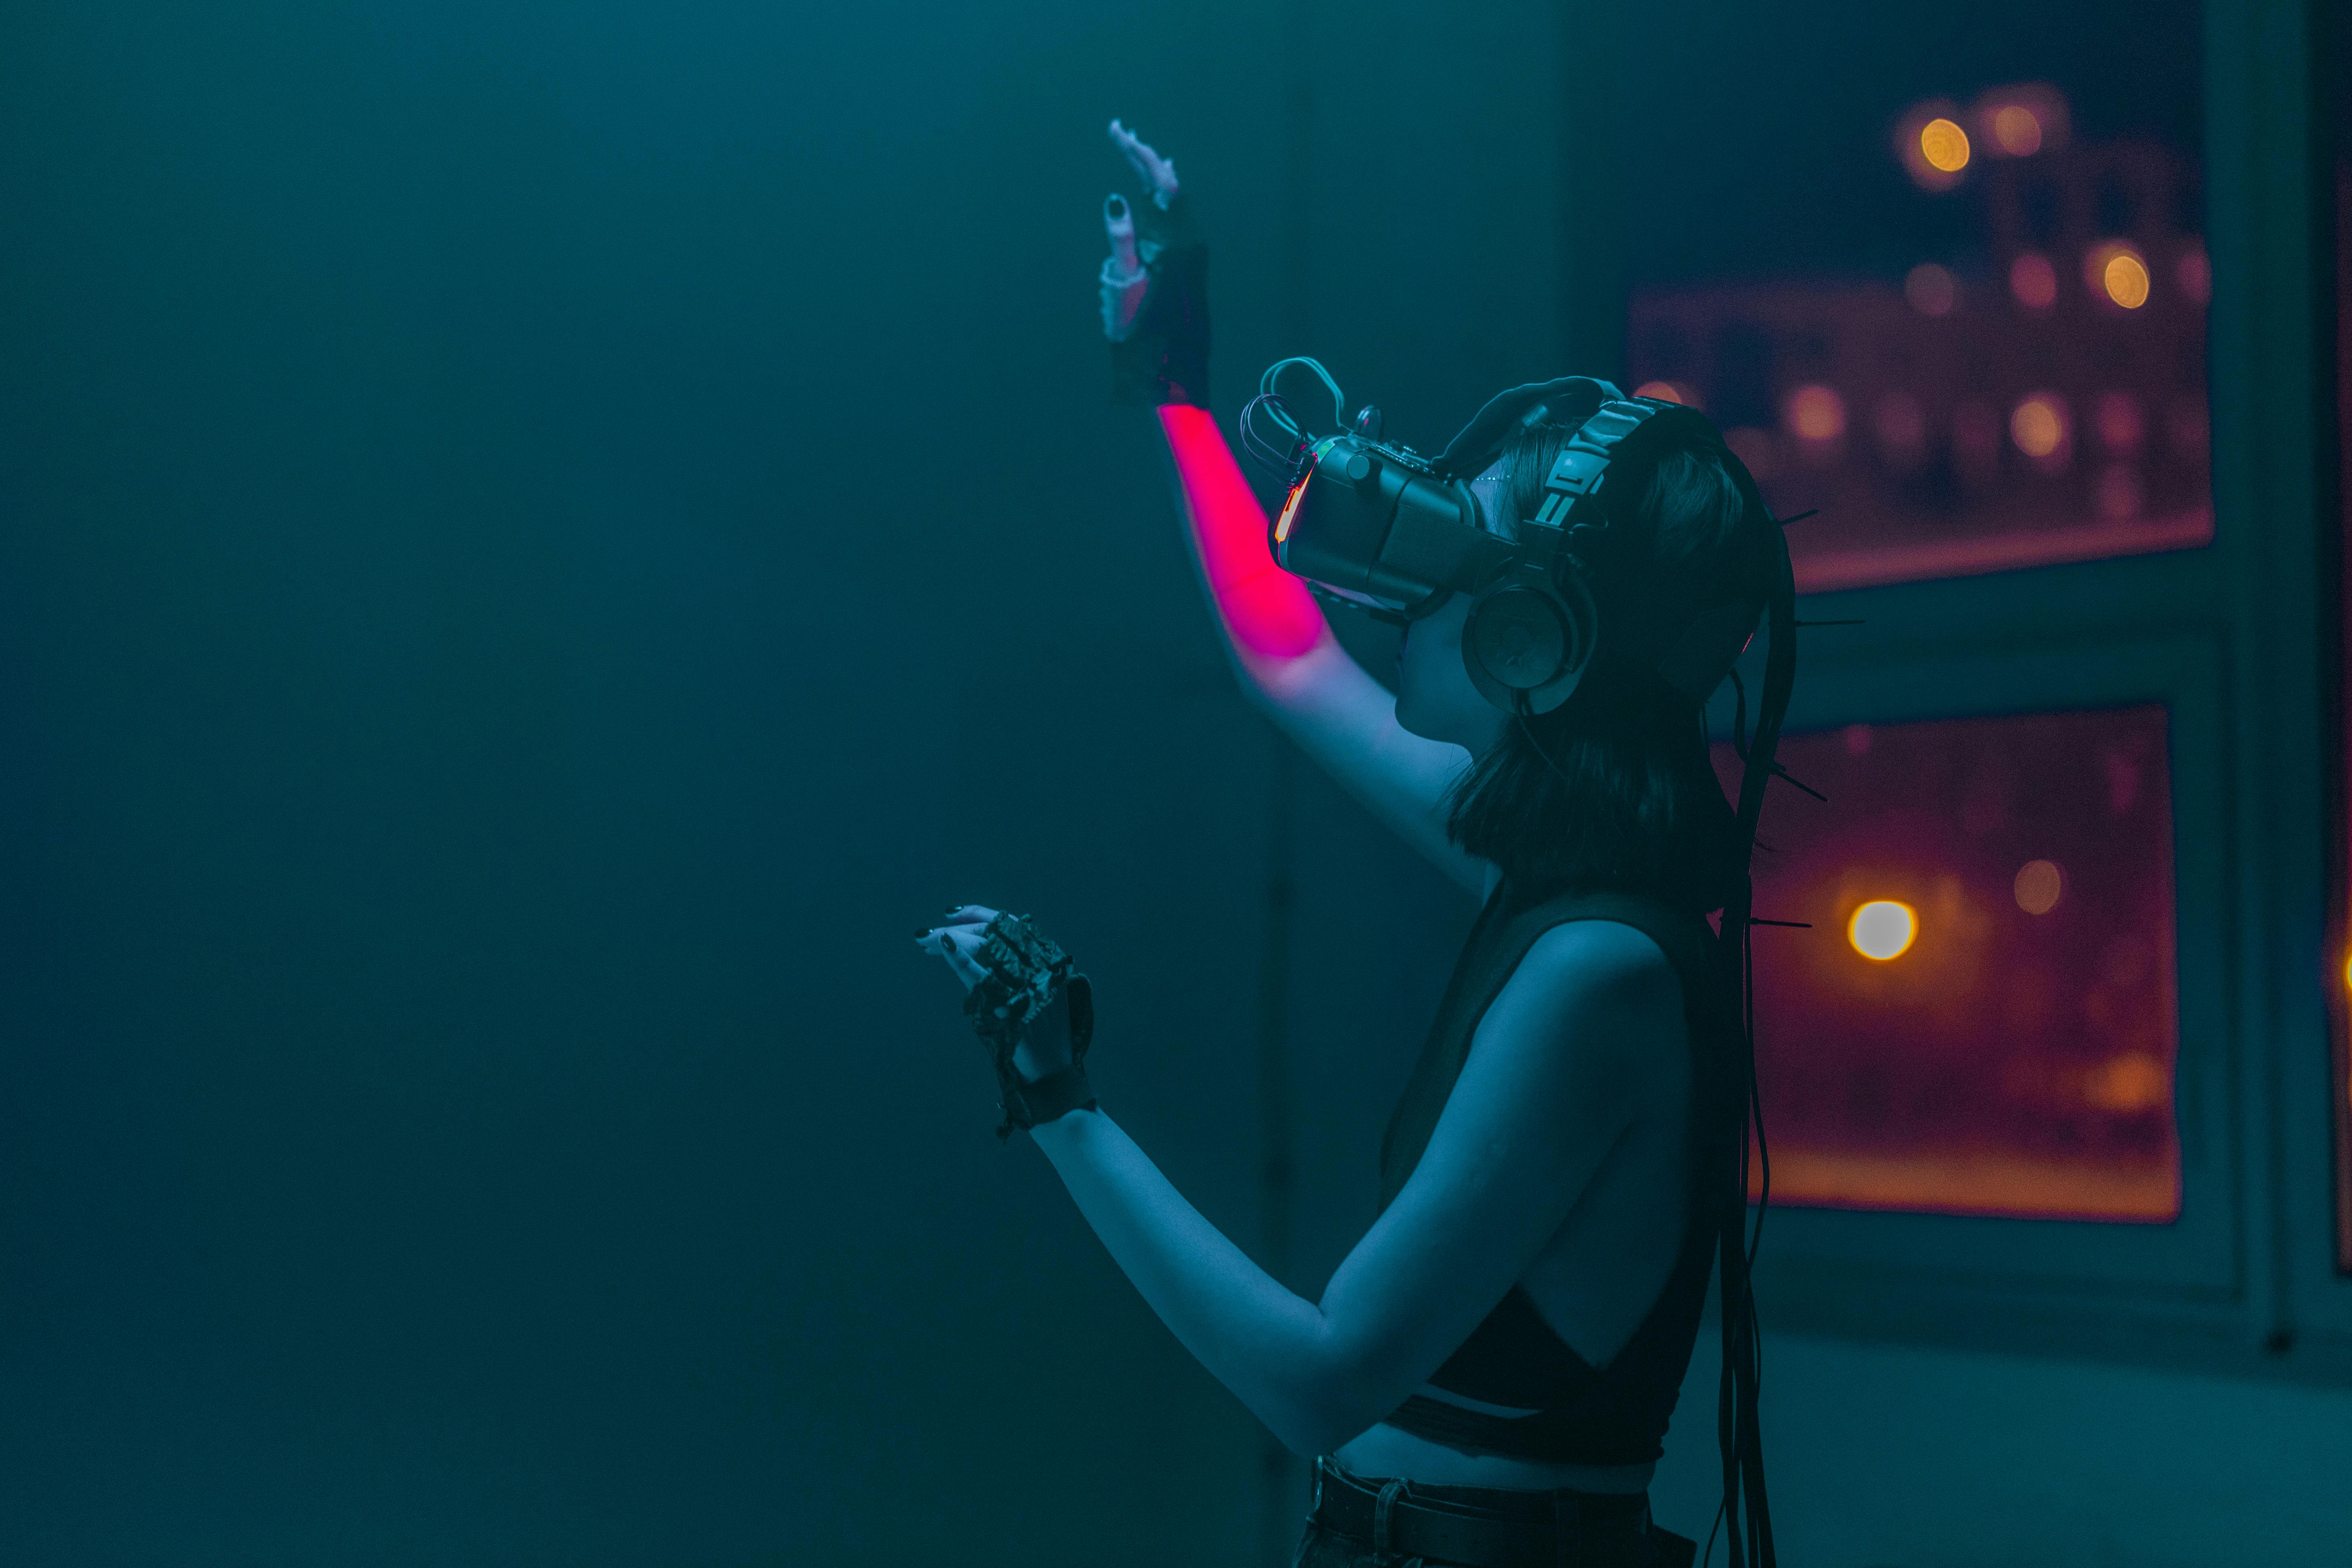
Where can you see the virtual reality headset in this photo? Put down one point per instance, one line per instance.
(1377, 527)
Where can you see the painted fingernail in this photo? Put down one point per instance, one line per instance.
(924, 934)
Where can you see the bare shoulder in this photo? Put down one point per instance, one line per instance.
(1603, 988)
(1600, 956)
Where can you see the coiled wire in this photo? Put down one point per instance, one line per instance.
(1276, 450)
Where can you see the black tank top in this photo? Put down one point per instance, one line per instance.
(1615, 1414)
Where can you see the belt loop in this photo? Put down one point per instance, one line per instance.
(1382, 1507)
(1315, 1505)
(1566, 1531)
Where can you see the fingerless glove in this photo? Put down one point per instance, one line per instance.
(1163, 355)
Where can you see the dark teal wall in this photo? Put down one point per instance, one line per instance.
(538, 544)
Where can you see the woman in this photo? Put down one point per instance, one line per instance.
(1488, 1376)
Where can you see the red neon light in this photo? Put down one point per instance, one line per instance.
(1268, 613)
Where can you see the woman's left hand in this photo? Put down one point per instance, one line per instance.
(1046, 1047)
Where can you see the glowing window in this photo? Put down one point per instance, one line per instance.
(1943, 253)
(1981, 1019)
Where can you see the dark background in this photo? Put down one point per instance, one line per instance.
(542, 544)
(538, 545)
(1760, 138)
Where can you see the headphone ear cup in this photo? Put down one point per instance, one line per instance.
(1518, 637)
(1526, 642)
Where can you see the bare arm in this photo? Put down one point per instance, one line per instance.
(1561, 1067)
(1289, 661)
(1292, 667)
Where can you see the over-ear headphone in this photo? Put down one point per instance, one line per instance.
(1529, 639)
(1533, 631)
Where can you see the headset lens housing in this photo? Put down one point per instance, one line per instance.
(1371, 522)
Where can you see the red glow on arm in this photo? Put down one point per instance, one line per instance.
(1268, 611)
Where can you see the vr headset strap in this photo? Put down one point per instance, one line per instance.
(1569, 398)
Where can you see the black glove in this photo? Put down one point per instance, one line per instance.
(1159, 351)
(1025, 973)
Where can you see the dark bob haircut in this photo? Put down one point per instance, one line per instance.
(1613, 790)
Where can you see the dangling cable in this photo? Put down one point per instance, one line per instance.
(1748, 1540)
(1266, 385)
(1278, 458)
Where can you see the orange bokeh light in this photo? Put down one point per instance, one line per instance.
(2126, 279)
(2117, 271)
(2038, 425)
(1883, 929)
(1816, 413)
(1930, 144)
(1944, 146)
(2017, 130)
(2021, 118)
(2040, 885)
(2130, 1084)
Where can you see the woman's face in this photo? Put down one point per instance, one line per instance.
(1434, 698)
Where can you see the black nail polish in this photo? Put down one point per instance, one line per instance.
(924, 934)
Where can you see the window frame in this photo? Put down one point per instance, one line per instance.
(2233, 638)
(1893, 683)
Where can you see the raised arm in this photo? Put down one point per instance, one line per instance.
(1288, 662)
